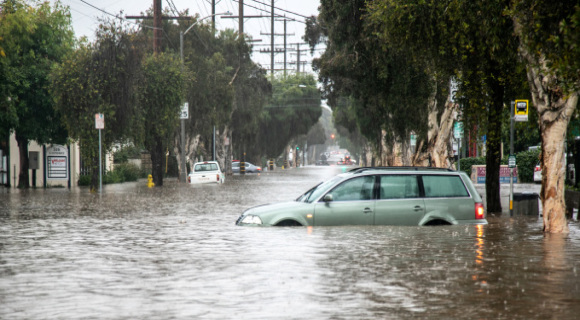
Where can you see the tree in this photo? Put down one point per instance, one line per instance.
(100, 78)
(160, 90)
(549, 34)
(474, 41)
(33, 39)
(381, 82)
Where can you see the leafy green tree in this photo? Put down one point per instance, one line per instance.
(100, 78)
(33, 38)
(381, 82)
(475, 41)
(160, 91)
(548, 34)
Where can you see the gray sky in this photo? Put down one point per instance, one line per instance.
(85, 20)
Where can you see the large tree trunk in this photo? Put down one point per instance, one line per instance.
(493, 145)
(23, 176)
(554, 110)
(440, 133)
(157, 162)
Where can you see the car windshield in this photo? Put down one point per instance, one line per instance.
(313, 194)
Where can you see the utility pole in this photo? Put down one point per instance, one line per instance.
(157, 27)
(299, 53)
(272, 41)
(276, 50)
(241, 17)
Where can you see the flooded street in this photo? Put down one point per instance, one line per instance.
(175, 253)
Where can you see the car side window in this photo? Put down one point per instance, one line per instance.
(399, 187)
(444, 187)
(360, 188)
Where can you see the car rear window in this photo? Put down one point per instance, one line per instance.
(206, 167)
(444, 186)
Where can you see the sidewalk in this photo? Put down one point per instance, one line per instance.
(505, 193)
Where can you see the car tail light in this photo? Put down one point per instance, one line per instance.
(218, 177)
(479, 213)
(188, 179)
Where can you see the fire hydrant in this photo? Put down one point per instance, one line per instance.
(150, 183)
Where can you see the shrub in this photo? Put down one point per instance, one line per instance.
(467, 163)
(526, 162)
(128, 172)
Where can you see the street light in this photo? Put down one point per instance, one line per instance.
(183, 174)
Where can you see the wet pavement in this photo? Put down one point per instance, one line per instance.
(174, 253)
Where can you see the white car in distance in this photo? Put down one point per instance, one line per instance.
(206, 172)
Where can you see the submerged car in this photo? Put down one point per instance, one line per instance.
(206, 172)
(250, 168)
(413, 196)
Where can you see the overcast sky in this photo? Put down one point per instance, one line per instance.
(85, 20)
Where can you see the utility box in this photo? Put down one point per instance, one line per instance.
(526, 203)
(33, 160)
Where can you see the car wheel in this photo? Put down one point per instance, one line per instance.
(288, 223)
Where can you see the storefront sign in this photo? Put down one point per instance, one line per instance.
(57, 163)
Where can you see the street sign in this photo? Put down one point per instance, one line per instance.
(453, 88)
(99, 121)
(184, 111)
(458, 130)
(521, 110)
(512, 161)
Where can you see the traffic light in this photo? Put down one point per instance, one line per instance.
(297, 148)
(332, 136)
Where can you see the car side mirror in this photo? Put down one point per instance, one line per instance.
(327, 198)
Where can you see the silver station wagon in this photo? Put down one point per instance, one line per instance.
(413, 196)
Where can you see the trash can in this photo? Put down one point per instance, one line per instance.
(526, 203)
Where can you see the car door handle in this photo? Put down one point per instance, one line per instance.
(367, 210)
(418, 208)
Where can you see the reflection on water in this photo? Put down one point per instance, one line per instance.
(174, 253)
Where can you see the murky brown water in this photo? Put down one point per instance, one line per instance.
(174, 253)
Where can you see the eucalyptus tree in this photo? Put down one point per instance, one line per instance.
(100, 77)
(549, 33)
(388, 91)
(474, 40)
(33, 38)
(160, 91)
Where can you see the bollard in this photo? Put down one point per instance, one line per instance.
(271, 165)
(243, 165)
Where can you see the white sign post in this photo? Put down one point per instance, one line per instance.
(458, 134)
(183, 116)
(100, 125)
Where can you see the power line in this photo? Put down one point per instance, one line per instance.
(118, 17)
(294, 13)
(268, 11)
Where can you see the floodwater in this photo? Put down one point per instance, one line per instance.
(175, 253)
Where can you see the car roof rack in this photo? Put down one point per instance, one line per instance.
(402, 168)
